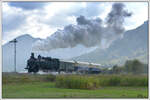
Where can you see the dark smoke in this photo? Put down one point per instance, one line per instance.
(87, 32)
(116, 17)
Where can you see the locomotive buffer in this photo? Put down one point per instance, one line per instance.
(14, 41)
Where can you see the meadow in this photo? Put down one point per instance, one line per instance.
(74, 86)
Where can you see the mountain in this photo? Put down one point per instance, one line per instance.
(24, 49)
(134, 44)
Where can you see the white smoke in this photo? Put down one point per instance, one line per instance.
(87, 32)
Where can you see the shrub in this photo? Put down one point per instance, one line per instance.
(132, 80)
(77, 82)
(114, 81)
(140, 96)
(50, 78)
(26, 78)
(123, 80)
(93, 82)
(109, 80)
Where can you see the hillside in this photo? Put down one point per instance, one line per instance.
(23, 52)
(134, 44)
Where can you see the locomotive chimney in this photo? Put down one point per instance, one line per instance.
(32, 55)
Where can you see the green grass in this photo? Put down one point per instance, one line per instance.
(77, 82)
(48, 90)
(8, 78)
(96, 81)
(45, 86)
(123, 80)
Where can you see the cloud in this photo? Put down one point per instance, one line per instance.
(139, 14)
(27, 5)
(16, 22)
(65, 11)
(87, 32)
(41, 19)
(90, 9)
(12, 21)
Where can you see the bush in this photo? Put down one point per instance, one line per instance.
(93, 82)
(134, 81)
(26, 78)
(50, 78)
(109, 80)
(123, 80)
(77, 82)
(114, 81)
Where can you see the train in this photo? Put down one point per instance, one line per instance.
(47, 64)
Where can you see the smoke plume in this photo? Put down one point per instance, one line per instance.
(87, 32)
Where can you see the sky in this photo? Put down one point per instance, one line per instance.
(42, 19)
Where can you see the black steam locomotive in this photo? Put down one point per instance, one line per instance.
(52, 64)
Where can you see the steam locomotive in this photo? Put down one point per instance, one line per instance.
(52, 64)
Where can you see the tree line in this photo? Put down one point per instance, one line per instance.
(130, 67)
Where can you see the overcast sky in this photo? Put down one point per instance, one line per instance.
(41, 19)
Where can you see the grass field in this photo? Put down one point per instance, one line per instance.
(47, 89)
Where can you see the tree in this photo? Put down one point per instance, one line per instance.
(117, 69)
(134, 66)
(128, 66)
(137, 67)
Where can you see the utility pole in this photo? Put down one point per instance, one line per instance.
(14, 41)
